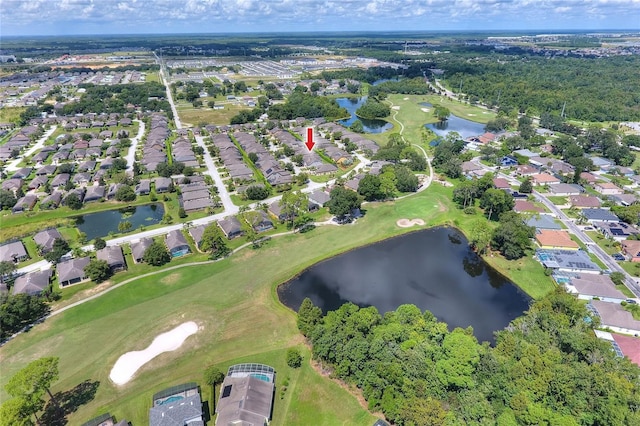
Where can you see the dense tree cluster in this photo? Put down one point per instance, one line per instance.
(343, 201)
(407, 86)
(373, 109)
(547, 367)
(446, 156)
(592, 89)
(368, 75)
(156, 254)
(108, 99)
(306, 105)
(397, 150)
(18, 311)
(386, 185)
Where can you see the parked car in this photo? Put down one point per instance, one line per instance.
(619, 256)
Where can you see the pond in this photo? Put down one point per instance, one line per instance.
(466, 128)
(99, 224)
(370, 126)
(433, 269)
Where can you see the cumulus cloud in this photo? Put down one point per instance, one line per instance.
(109, 16)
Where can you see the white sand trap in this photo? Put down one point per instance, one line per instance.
(127, 365)
(406, 223)
(471, 115)
(405, 99)
(425, 109)
(395, 107)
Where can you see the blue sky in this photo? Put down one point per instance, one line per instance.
(51, 17)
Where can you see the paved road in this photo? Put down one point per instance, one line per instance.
(212, 171)
(176, 118)
(13, 166)
(131, 154)
(594, 248)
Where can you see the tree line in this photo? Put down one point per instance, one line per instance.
(546, 367)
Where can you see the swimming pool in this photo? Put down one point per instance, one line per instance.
(262, 377)
(171, 399)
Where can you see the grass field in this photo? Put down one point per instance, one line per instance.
(194, 116)
(10, 114)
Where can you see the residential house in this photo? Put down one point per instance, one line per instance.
(81, 178)
(521, 206)
(607, 188)
(540, 179)
(231, 227)
(162, 184)
(555, 239)
(599, 215)
(543, 221)
(37, 182)
(631, 249)
(526, 153)
(13, 251)
(584, 201)
(72, 271)
(32, 283)
(47, 170)
(44, 239)
(177, 406)
(565, 189)
(12, 185)
(508, 161)
(589, 286)
(25, 203)
(114, 258)
(113, 189)
(624, 199)
(602, 163)
(177, 243)
(196, 233)
(106, 420)
(573, 261)
(260, 221)
(501, 183)
(139, 248)
(615, 317)
(60, 180)
(94, 193)
(22, 173)
(51, 201)
(588, 177)
(144, 187)
(246, 395)
(319, 197)
(526, 170)
(618, 231)
(469, 168)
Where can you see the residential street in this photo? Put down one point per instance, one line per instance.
(212, 171)
(131, 154)
(13, 166)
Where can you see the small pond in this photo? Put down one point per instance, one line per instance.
(466, 128)
(370, 126)
(433, 269)
(99, 224)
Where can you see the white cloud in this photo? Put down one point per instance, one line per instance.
(23, 16)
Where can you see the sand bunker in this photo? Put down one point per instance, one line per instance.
(405, 99)
(396, 107)
(425, 109)
(406, 223)
(471, 115)
(127, 365)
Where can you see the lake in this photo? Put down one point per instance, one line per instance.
(434, 269)
(99, 224)
(370, 126)
(466, 128)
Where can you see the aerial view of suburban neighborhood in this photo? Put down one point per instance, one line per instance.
(365, 213)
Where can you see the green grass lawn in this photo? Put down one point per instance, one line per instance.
(195, 116)
(235, 304)
(557, 200)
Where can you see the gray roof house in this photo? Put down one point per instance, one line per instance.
(144, 187)
(113, 256)
(25, 203)
(599, 215)
(615, 317)
(576, 261)
(543, 221)
(94, 193)
(32, 283)
(60, 180)
(45, 239)
(162, 184)
(138, 248)
(72, 271)
(246, 395)
(51, 201)
(196, 233)
(177, 406)
(319, 197)
(588, 286)
(13, 252)
(231, 227)
(177, 243)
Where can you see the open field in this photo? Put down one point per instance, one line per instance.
(10, 114)
(194, 116)
(239, 314)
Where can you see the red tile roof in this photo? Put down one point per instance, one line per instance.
(630, 346)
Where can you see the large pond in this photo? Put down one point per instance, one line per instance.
(434, 269)
(100, 224)
(370, 126)
(466, 128)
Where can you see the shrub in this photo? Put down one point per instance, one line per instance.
(294, 359)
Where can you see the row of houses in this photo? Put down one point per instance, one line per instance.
(153, 150)
(182, 151)
(195, 195)
(231, 157)
(266, 163)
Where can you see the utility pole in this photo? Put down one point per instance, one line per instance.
(563, 106)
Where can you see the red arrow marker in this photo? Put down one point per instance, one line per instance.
(309, 143)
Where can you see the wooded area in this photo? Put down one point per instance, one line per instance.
(547, 367)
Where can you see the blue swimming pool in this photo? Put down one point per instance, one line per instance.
(262, 377)
(171, 399)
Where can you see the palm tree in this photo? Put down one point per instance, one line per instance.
(213, 376)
